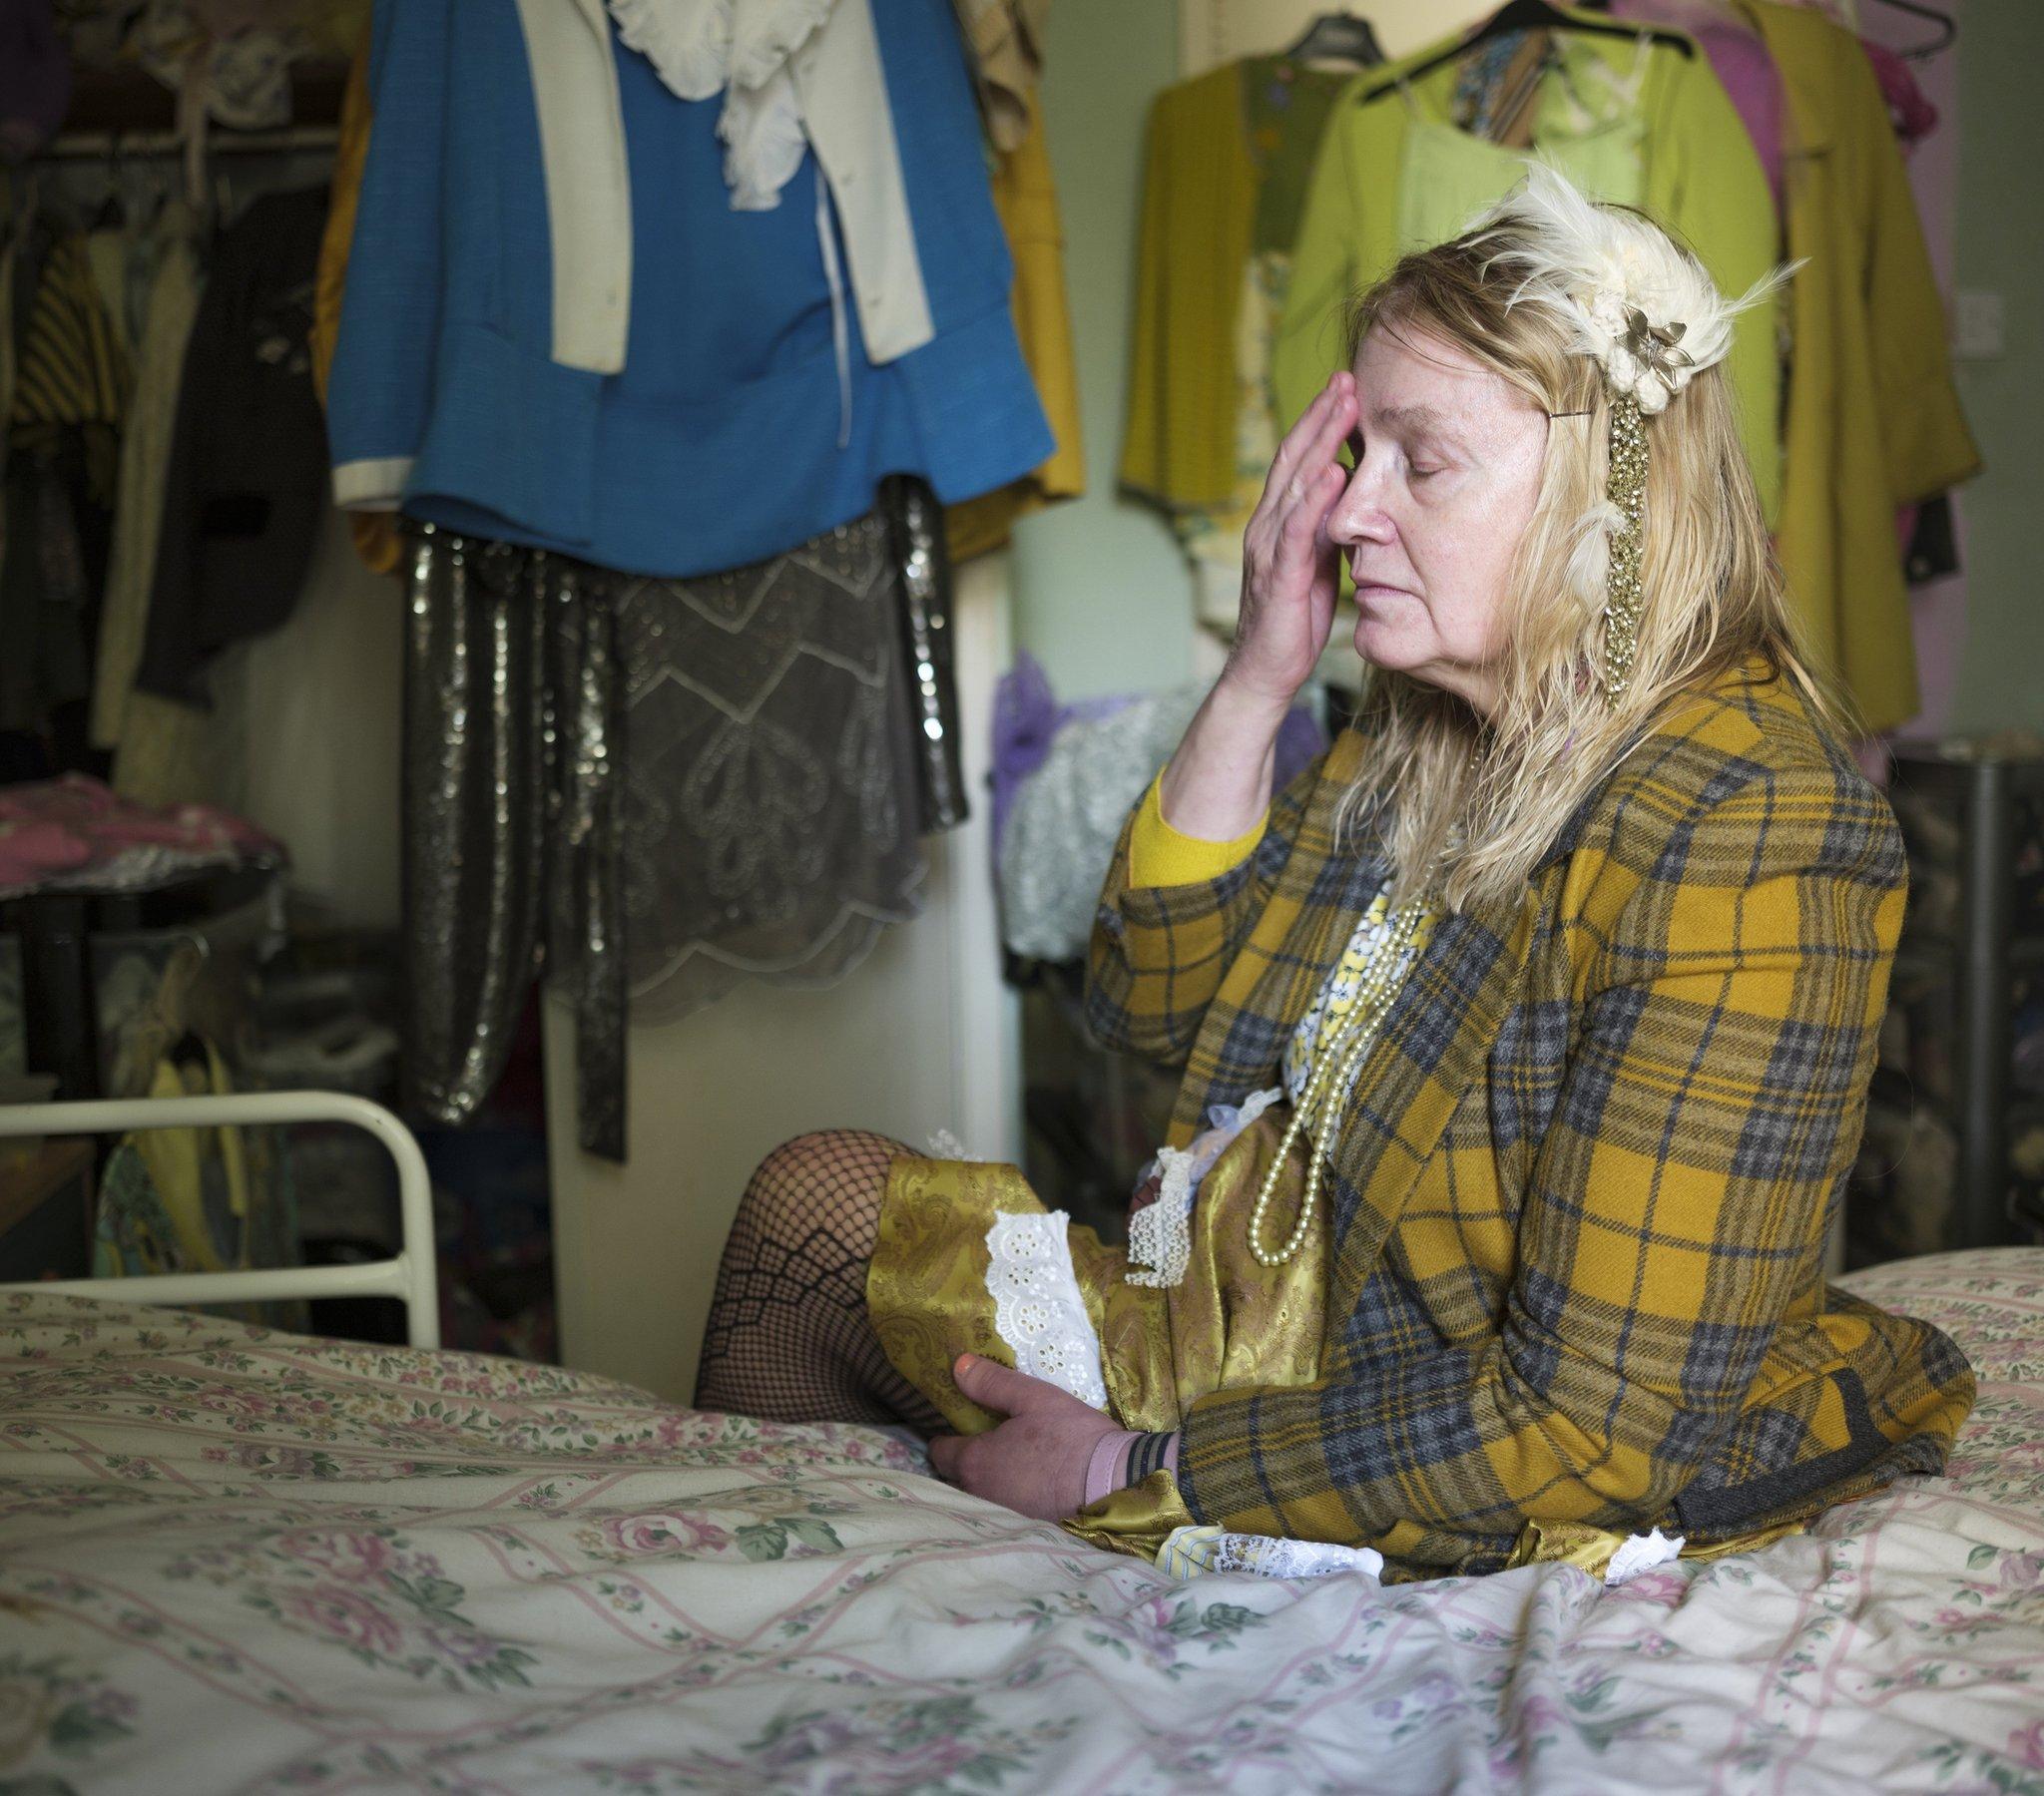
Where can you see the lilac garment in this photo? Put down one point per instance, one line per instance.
(1028, 716)
(35, 78)
(1740, 61)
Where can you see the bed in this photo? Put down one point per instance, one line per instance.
(234, 1559)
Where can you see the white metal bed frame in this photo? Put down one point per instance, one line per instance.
(410, 1277)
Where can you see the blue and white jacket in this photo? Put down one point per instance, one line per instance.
(557, 330)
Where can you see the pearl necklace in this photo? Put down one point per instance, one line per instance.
(1330, 1075)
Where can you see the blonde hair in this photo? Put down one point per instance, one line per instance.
(1476, 827)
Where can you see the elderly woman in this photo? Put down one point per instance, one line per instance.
(1526, 1036)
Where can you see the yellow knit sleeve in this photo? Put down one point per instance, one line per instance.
(1160, 856)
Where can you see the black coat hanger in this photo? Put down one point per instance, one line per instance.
(1947, 29)
(1338, 36)
(1536, 15)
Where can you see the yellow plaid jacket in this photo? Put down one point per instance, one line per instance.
(1582, 1188)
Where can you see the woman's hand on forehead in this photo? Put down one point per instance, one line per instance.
(1290, 571)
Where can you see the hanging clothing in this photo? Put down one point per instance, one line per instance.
(654, 789)
(1740, 60)
(1225, 168)
(1006, 38)
(169, 312)
(1026, 200)
(929, 642)
(34, 80)
(771, 796)
(513, 739)
(1058, 840)
(71, 377)
(1910, 112)
(375, 532)
(481, 379)
(242, 495)
(68, 398)
(1395, 173)
(1065, 779)
(1873, 421)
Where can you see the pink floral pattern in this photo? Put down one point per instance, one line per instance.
(236, 1559)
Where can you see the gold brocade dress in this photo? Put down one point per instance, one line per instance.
(1231, 1321)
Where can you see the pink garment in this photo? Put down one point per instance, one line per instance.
(1740, 61)
(1107, 1470)
(1909, 112)
(75, 835)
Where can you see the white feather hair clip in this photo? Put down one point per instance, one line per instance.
(1642, 308)
(1650, 317)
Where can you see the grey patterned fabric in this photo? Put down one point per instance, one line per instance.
(770, 816)
(653, 788)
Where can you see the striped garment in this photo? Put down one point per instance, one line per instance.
(71, 372)
(1581, 1190)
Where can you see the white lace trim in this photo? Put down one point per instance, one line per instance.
(766, 32)
(1038, 1311)
(1196, 1551)
(1642, 1553)
(688, 42)
(1269, 1557)
(1160, 1234)
(943, 1144)
(739, 48)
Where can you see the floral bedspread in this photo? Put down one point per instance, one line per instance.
(235, 1560)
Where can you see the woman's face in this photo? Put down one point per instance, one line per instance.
(1447, 467)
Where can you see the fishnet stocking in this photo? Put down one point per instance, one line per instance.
(788, 1338)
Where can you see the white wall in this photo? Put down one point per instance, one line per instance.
(322, 699)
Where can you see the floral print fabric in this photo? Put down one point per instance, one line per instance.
(233, 1559)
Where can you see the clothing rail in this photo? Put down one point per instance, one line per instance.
(121, 146)
(410, 1277)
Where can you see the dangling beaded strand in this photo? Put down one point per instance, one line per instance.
(1332, 1073)
(1330, 1076)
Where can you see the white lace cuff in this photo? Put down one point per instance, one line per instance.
(1038, 1311)
(1642, 1553)
(1194, 1552)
